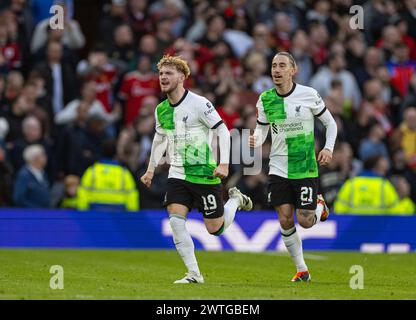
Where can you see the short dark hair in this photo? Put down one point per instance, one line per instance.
(371, 162)
(109, 148)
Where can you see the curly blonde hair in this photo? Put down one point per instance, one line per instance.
(176, 61)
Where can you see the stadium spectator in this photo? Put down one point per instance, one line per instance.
(163, 35)
(32, 135)
(238, 34)
(113, 15)
(409, 16)
(406, 205)
(300, 52)
(267, 11)
(175, 11)
(403, 28)
(13, 88)
(389, 41)
(202, 11)
(4, 130)
(138, 18)
(88, 96)
(70, 198)
(151, 197)
(148, 47)
(6, 170)
(107, 185)
(410, 99)
(80, 144)
(215, 31)
(122, 52)
(407, 136)
(319, 39)
(281, 31)
(333, 176)
(24, 21)
(390, 95)
(37, 107)
(55, 35)
(321, 11)
(369, 192)
(255, 63)
(73, 36)
(373, 99)
(19, 110)
(355, 48)
(262, 41)
(378, 13)
(31, 188)
(401, 68)
(229, 111)
(6, 181)
(10, 50)
(59, 77)
(133, 147)
(99, 69)
(335, 69)
(373, 145)
(135, 86)
(372, 60)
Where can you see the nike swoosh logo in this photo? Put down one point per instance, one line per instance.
(305, 203)
(208, 213)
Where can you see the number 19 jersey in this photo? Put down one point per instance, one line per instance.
(187, 127)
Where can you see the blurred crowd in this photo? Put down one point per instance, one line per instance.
(69, 102)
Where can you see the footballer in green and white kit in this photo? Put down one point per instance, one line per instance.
(289, 111)
(185, 125)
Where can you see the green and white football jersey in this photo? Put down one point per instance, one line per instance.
(291, 119)
(187, 126)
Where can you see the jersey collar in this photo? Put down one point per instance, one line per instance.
(180, 101)
(287, 94)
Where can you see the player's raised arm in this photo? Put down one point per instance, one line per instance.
(159, 146)
(322, 113)
(262, 127)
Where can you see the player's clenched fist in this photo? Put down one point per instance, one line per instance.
(221, 171)
(324, 157)
(147, 178)
(252, 141)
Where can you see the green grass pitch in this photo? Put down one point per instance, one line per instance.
(141, 274)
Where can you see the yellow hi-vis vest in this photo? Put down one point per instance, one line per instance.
(69, 203)
(367, 195)
(108, 184)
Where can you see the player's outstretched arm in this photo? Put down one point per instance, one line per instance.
(224, 144)
(325, 156)
(158, 149)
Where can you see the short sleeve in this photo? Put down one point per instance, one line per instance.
(208, 115)
(318, 105)
(261, 115)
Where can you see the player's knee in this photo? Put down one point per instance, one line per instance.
(286, 223)
(215, 229)
(305, 224)
(306, 218)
